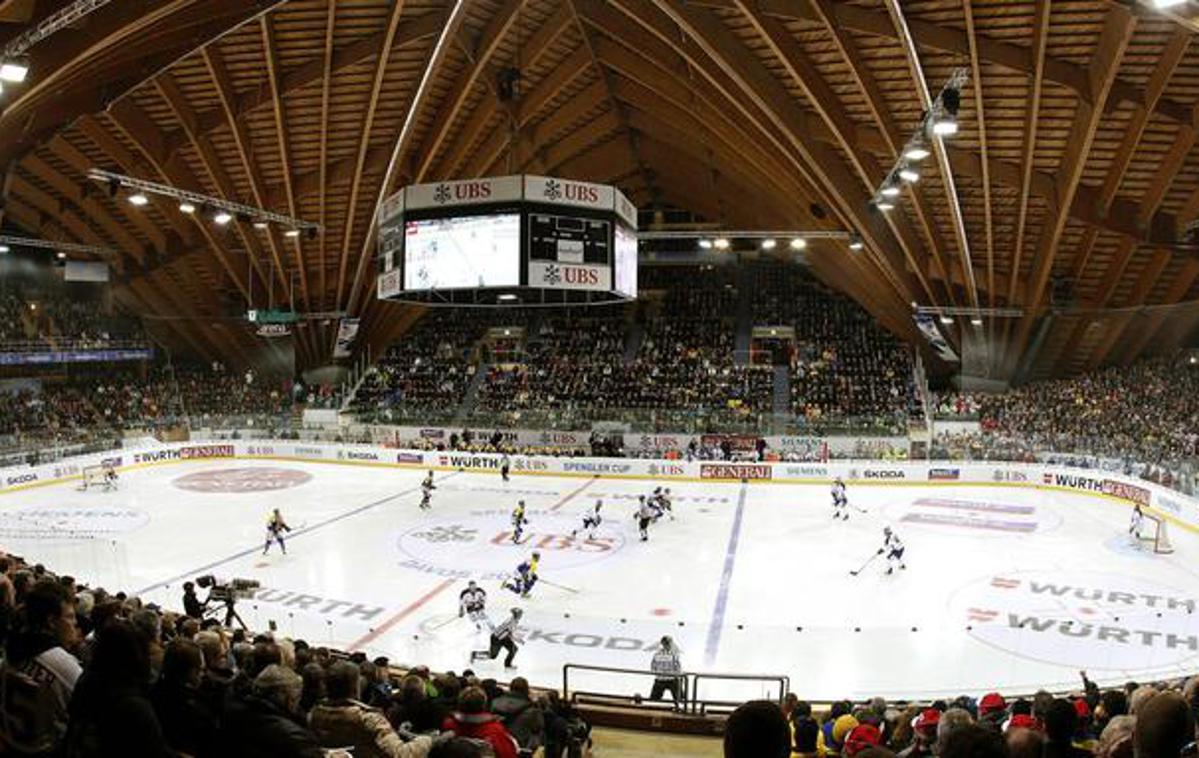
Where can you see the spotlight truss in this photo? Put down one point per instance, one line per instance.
(235, 210)
(65, 247)
(919, 146)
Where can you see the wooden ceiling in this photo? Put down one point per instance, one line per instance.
(1074, 170)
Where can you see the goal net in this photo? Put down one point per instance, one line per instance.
(98, 476)
(1155, 535)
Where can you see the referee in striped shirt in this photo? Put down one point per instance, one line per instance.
(503, 637)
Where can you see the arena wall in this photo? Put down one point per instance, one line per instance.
(1174, 506)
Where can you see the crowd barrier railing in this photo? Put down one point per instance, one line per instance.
(627, 688)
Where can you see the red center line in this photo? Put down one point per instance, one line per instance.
(571, 496)
(386, 626)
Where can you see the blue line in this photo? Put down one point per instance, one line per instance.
(291, 536)
(716, 626)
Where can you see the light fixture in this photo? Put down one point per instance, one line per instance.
(138, 199)
(14, 71)
(884, 205)
(4, 248)
(798, 243)
(507, 297)
(186, 207)
(769, 244)
(260, 225)
(62, 256)
(1167, 3)
(705, 244)
(916, 152)
(855, 242)
(947, 320)
(977, 321)
(889, 190)
(292, 233)
(909, 174)
(222, 217)
(721, 243)
(946, 121)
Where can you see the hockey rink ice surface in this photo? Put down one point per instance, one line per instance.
(1005, 588)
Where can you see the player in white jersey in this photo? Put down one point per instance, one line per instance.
(472, 602)
(426, 494)
(1138, 520)
(518, 521)
(591, 520)
(665, 505)
(503, 637)
(646, 513)
(840, 500)
(893, 549)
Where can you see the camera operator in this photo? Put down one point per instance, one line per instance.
(192, 605)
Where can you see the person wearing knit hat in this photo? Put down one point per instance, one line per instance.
(1022, 721)
(841, 729)
(861, 737)
(992, 711)
(924, 734)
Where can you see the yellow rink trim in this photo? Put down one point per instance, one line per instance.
(629, 477)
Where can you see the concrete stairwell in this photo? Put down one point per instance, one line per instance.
(471, 397)
(743, 339)
(782, 391)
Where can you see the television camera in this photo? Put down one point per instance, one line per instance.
(226, 595)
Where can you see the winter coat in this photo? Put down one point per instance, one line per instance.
(524, 720)
(483, 726)
(254, 727)
(345, 723)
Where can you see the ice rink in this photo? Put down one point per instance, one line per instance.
(1006, 587)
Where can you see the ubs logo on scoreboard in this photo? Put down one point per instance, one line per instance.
(569, 276)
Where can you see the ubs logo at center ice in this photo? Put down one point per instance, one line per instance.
(480, 544)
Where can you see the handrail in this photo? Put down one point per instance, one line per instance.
(689, 699)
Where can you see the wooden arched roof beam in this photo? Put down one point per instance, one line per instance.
(935, 36)
(410, 32)
(478, 55)
(137, 128)
(382, 59)
(787, 51)
(214, 61)
(976, 74)
(123, 45)
(16, 11)
(448, 165)
(773, 109)
(322, 170)
(1118, 27)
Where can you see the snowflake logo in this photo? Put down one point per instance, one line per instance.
(441, 195)
(553, 275)
(553, 190)
(454, 533)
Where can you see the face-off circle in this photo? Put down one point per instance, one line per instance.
(480, 545)
(1082, 619)
(69, 522)
(242, 480)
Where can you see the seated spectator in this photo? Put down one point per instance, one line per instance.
(342, 721)
(973, 741)
(520, 715)
(1164, 725)
(41, 648)
(264, 723)
(187, 721)
(110, 712)
(757, 729)
(1061, 724)
(472, 719)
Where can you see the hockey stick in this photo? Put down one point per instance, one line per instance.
(560, 586)
(856, 508)
(447, 622)
(867, 563)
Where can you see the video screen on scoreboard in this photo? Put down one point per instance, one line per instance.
(462, 252)
(626, 261)
(569, 239)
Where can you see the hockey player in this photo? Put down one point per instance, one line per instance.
(840, 501)
(426, 492)
(1138, 519)
(518, 522)
(646, 513)
(110, 478)
(275, 527)
(503, 637)
(893, 549)
(473, 603)
(505, 465)
(591, 520)
(526, 577)
(665, 504)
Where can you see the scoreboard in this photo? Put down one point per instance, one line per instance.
(512, 240)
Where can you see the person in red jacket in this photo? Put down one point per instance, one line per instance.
(473, 720)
